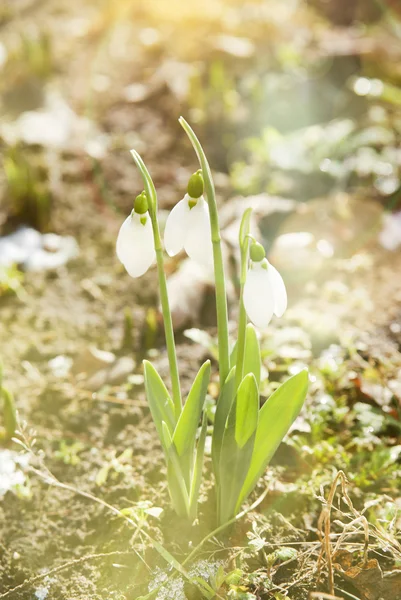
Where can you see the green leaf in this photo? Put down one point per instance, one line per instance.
(233, 468)
(224, 403)
(275, 418)
(175, 477)
(197, 473)
(160, 404)
(247, 409)
(185, 432)
(252, 359)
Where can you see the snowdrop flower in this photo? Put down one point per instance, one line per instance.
(264, 289)
(135, 244)
(188, 225)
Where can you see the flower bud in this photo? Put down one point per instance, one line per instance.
(141, 204)
(257, 252)
(195, 185)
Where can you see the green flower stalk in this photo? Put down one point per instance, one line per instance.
(221, 297)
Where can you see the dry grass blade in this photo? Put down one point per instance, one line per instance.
(358, 525)
(322, 596)
(324, 527)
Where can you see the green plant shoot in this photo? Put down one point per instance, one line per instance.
(245, 434)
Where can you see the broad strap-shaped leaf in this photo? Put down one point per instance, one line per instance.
(252, 359)
(197, 471)
(176, 481)
(185, 432)
(160, 404)
(247, 409)
(275, 418)
(234, 460)
(223, 407)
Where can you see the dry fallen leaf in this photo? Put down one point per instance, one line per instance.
(368, 579)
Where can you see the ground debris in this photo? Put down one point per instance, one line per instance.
(368, 578)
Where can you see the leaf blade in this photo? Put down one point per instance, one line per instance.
(159, 400)
(275, 418)
(224, 403)
(197, 472)
(185, 431)
(176, 482)
(247, 407)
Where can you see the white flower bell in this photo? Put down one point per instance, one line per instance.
(188, 225)
(135, 244)
(264, 289)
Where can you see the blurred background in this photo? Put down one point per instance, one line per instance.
(298, 106)
(296, 103)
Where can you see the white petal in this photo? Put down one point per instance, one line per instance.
(124, 239)
(279, 291)
(258, 296)
(135, 247)
(176, 227)
(198, 242)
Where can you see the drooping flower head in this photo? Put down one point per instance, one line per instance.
(264, 289)
(188, 225)
(135, 244)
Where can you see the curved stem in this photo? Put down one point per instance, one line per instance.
(168, 323)
(244, 244)
(221, 297)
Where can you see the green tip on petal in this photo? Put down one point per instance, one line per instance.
(257, 252)
(141, 203)
(195, 185)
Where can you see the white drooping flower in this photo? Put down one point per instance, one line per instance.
(135, 244)
(188, 225)
(264, 292)
(188, 228)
